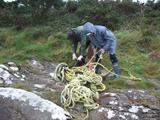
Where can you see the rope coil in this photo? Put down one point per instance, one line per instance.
(83, 85)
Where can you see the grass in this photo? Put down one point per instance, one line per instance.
(123, 83)
(45, 43)
(134, 57)
(157, 94)
(52, 96)
(39, 43)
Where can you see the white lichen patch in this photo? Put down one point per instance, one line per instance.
(35, 101)
(135, 97)
(11, 63)
(134, 109)
(34, 62)
(23, 76)
(122, 116)
(14, 68)
(22, 79)
(120, 108)
(39, 86)
(110, 114)
(130, 91)
(126, 113)
(8, 82)
(3, 67)
(16, 75)
(110, 94)
(134, 116)
(5, 76)
(144, 109)
(51, 74)
(101, 109)
(141, 91)
(113, 102)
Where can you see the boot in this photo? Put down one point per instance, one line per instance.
(116, 70)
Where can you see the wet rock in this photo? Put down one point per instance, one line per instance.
(7, 113)
(10, 74)
(142, 97)
(35, 64)
(3, 67)
(38, 76)
(126, 105)
(6, 76)
(31, 106)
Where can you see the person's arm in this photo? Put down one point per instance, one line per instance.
(83, 45)
(74, 46)
(74, 49)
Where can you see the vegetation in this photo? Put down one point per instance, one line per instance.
(52, 96)
(37, 29)
(24, 86)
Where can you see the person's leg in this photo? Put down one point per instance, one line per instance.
(97, 59)
(114, 59)
(115, 65)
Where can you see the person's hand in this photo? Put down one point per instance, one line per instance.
(94, 51)
(80, 58)
(102, 51)
(74, 57)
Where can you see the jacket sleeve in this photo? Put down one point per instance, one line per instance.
(108, 38)
(83, 44)
(107, 45)
(74, 46)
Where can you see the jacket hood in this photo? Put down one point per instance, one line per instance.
(89, 28)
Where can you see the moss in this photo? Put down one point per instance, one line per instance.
(52, 96)
(23, 86)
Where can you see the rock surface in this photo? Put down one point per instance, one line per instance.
(37, 77)
(28, 106)
(127, 105)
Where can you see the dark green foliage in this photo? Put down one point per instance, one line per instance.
(2, 4)
(114, 15)
(71, 6)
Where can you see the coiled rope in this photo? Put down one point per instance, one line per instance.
(83, 85)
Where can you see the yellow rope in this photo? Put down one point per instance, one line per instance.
(83, 85)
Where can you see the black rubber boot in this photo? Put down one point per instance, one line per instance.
(116, 70)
